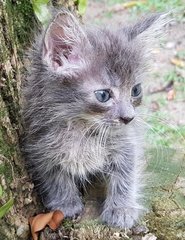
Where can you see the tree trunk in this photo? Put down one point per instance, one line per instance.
(17, 22)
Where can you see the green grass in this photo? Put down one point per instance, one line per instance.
(157, 5)
(162, 133)
(151, 5)
(6, 207)
(179, 81)
(173, 75)
(181, 54)
(142, 7)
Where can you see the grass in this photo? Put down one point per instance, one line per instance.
(181, 54)
(176, 76)
(160, 6)
(162, 133)
(6, 207)
(143, 6)
(152, 5)
(179, 81)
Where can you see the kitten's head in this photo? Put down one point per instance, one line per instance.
(96, 74)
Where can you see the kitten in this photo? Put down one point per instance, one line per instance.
(80, 114)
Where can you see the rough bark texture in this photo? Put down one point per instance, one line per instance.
(17, 24)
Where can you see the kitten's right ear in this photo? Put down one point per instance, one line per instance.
(148, 28)
(63, 39)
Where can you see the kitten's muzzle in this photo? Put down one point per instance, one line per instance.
(125, 120)
(121, 120)
(126, 112)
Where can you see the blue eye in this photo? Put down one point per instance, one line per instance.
(136, 90)
(102, 95)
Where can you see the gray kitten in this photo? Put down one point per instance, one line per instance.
(80, 114)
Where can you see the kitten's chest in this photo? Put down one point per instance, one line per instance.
(84, 154)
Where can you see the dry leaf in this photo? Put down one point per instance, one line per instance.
(178, 62)
(57, 218)
(122, 6)
(171, 95)
(39, 222)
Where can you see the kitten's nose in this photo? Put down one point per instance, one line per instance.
(126, 120)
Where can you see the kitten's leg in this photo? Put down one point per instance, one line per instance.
(59, 191)
(121, 208)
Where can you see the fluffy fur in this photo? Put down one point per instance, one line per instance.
(69, 134)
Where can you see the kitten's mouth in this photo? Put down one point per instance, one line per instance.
(114, 123)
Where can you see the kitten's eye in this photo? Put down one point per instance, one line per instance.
(102, 95)
(136, 90)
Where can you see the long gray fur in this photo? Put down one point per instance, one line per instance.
(69, 135)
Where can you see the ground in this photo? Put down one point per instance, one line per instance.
(163, 114)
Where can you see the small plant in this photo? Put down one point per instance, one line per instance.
(42, 12)
(82, 5)
(6, 207)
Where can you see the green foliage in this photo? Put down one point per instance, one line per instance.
(82, 5)
(157, 5)
(1, 191)
(174, 76)
(6, 207)
(151, 5)
(21, 17)
(41, 10)
(179, 81)
(6, 149)
(181, 54)
(163, 134)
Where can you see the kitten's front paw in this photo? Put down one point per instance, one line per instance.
(119, 217)
(72, 209)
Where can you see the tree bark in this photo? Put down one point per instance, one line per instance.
(17, 24)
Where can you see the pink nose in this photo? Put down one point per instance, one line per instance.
(126, 120)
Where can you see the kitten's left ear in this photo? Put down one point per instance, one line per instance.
(147, 28)
(63, 44)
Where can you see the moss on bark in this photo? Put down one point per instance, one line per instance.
(17, 25)
(15, 33)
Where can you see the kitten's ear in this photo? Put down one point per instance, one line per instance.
(148, 27)
(62, 43)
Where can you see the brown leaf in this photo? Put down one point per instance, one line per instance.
(39, 222)
(132, 3)
(122, 6)
(57, 218)
(171, 95)
(178, 62)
